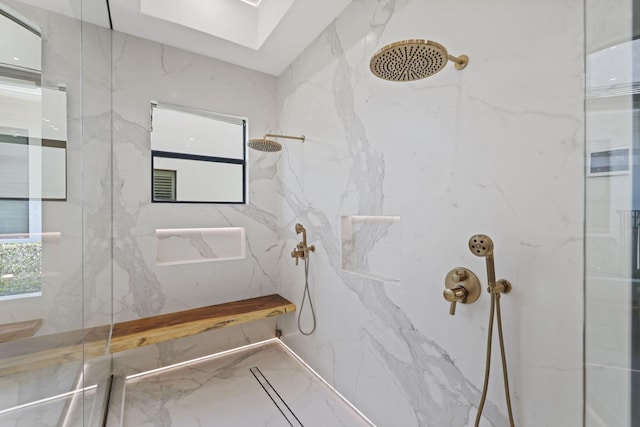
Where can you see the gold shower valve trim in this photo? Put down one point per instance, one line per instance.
(458, 287)
(462, 285)
(301, 251)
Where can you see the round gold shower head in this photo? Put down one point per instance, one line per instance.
(409, 60)
(269, 145)
(481, 245)
(264, 144)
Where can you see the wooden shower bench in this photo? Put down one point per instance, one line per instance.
(54, 349)
(156, 329)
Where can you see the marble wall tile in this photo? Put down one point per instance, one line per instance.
(193, 245)
(188, 348)
(496, 148)
(145, 71)
(371, 246)
(96, 174)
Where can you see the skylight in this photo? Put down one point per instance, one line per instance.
(255, 3)
(245, 22)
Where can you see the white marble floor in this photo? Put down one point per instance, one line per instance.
(259, 386)
(69, 409)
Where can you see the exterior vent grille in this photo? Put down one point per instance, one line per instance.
(164, 185)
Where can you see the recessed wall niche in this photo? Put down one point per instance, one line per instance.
(371, 246)
(192, 245)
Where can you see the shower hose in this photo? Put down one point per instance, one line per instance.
(306, 294)
(495, 307)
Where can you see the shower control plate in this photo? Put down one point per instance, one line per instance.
(463, 277)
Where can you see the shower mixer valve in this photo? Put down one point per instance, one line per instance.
(302, 250)
(462, 285)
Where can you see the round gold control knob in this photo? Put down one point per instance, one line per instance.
(449, 295)
(457, 294)
(459, 276)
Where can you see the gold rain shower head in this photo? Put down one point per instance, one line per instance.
(409, 60)
(269, 145)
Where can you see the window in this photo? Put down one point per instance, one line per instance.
(197, 156)
(24, 158)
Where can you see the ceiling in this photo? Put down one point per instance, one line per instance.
(264, 35)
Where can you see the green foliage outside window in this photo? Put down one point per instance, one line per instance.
(20, 268)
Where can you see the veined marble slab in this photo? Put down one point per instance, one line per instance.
(223, 391)
(67, 409)
(192, 245)
(371, 246)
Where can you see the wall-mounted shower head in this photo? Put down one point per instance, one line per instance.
(409, 60)
(481, 245)
(269, 145)
(264, 144)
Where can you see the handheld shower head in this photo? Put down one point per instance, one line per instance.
(300, 229)
(269, 145)
(481, 245)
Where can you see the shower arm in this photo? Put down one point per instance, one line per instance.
(460, 61)
(274, 135)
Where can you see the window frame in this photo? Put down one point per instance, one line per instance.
(197, 157)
